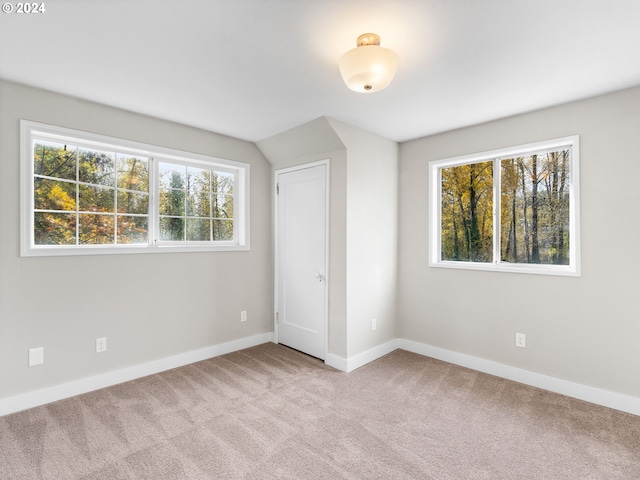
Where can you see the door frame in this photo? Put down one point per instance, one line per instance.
(327, 276)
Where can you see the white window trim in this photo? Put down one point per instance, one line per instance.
(28, 129)
(435, 200)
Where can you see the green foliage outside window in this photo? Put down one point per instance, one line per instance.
(89, 194)
(89, 197)
(195, 204)
(92, 197)
(534, 210)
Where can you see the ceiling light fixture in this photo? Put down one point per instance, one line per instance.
(369, 67)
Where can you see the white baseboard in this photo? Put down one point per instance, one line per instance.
(625, 403)
(339, 363)
(350, 364)
(84, 385)
(618, 401)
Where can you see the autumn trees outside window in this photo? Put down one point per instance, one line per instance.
(85, 194)
(514, 209)
(195, 203)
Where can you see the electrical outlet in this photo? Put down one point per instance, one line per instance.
(243, 316)
(36, 356)
(373, 324)
(101, 344)
(520, 340)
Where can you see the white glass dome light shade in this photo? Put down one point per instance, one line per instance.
(368, 68)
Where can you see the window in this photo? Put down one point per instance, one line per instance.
(514, 209)
(89, 194)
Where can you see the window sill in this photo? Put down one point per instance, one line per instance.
(558, 270)
(127, 249)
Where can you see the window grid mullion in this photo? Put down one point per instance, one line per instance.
(32, 133)
(211, 194)
(439, 215)
(235, 206)
(115, 198)
(497, 209)
(77, 212)
(184, 203)
(154, 207)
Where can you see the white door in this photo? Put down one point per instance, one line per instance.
(301, 259)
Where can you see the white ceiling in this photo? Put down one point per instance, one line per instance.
(255, 68)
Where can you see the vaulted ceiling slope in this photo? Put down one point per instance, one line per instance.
(254, 68)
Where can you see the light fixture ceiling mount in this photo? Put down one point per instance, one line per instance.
(367, 39)
(369, 67)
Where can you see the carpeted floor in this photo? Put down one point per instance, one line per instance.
(269, 412)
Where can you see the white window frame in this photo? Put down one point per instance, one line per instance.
(30, 130)
(435, 209)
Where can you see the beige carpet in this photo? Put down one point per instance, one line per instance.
(269, 412)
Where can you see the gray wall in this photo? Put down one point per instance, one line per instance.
(149, 306)
(582, 329)
(311, 142)
(152, 306)
(362, 230)
(372, 232)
